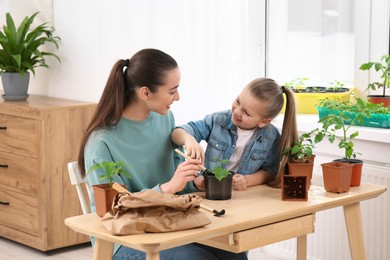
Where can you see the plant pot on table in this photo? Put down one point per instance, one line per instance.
(296, 168)
(218, 189)
(104, 196)
(356, 170)
(337, 176)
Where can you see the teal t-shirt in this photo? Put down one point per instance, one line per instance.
(145, 146)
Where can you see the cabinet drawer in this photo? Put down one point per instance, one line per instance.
(20, 173)
(19, 135)
(19, 212)
(264, 235)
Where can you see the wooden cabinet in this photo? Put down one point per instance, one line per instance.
(38, 137)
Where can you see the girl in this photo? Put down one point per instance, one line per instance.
(133, 124)
(245, 136)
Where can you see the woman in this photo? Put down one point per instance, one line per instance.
(133, 124)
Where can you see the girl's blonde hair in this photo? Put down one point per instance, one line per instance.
(268, 91)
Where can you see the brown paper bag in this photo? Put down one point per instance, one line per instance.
(151, 211)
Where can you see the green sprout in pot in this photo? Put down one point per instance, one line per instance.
(341, 117)
(297, 84)
(302, 149)
(383, 66)
(111, 169)
(219, 171)
(336, 86)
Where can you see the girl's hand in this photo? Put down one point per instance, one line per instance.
(199, 182)
(239, 182)
(193, 148)
(185, 172)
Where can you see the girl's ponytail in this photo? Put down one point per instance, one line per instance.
(288, 137)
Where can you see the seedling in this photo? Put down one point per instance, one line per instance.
(219, 171)
(111, 169)
(383, 66)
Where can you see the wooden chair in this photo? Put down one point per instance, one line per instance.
(77, 180)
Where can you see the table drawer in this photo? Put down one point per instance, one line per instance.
(19, 135)
(264, 235)
(19, 212)
(20, 173)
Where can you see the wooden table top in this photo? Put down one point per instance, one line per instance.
(257, 206)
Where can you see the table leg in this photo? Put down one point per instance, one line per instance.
(102, 249)
(152, 255)
(353, 221)
(301, 247)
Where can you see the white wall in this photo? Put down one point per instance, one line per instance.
(216, 43)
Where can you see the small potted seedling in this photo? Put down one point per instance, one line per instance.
(104, 193)
(218, 182)
(302, 157)
(331, 124)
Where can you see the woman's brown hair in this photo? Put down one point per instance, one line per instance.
(147, 67)
(269, 91)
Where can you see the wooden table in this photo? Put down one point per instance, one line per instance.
(254, 218)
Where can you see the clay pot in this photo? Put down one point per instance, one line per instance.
(218, 190)
(301, 169)
(379, 99)
(356, 170)
(104, 196)
(337, 176)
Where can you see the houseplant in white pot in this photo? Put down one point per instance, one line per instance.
(21, 52)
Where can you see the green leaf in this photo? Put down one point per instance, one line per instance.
(220, 173)
(110, 170)
(21, 46)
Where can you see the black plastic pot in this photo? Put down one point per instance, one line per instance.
(218, 190)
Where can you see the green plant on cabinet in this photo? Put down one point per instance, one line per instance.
(20, 46)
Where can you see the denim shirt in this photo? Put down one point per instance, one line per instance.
(220, 134)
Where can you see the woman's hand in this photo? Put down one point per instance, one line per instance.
(239, 182)
(185, 172)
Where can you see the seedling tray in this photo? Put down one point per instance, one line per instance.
(375, 120)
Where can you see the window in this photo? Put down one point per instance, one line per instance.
(312, 39)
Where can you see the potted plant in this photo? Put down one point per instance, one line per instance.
(308, 96)
(342, 121)
(383, 67)
(104, 193)
(218, 182)
(21, 52)
(301, 157)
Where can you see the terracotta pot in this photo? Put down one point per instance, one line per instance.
(104, 196)
(294, 188)
(218, 190)
(356, 170)
(337, 176)
(378, 99)
(301, 169)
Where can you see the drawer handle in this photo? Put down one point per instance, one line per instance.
(3, 165)
(3, 128)
(4, 202)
